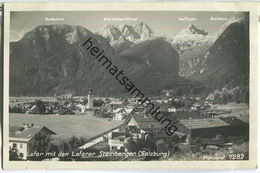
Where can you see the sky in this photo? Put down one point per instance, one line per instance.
(167, 23)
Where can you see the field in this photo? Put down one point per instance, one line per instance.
(240, 111)
(66, 125)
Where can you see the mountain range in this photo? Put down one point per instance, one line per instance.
(120, 33)
(50, 60)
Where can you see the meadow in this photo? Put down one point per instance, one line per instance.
(66, 125)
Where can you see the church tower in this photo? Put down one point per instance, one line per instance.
(90, 99)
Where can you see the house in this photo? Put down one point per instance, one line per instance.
(139, 109)
(202, 128)
(30, 138)
(129, 109)
(194, 108)
(164, 107)
(168, 93)
(143, 124)
(117, 141)
(208, 102)
(172, 109)
(120, 114)
(116, 103)
(117, 110)
(161, 146)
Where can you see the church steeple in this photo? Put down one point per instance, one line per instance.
(90, 99)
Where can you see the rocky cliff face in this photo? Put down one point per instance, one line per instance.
(218, 60)
(227, 60)
(192, 44)
(50, 59)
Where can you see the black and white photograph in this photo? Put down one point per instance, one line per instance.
(94, 86)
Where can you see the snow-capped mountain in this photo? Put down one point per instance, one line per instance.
(144, 31)
(112, 33)
(191, 36)
(117, 34)
(129, 33)
(192, 44)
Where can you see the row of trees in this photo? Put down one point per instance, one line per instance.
(238, 96)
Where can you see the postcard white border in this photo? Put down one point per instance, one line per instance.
(137, 6)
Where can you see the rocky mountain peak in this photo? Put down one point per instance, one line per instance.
(128, 32)
(144, 30)
(136, 33)
(110, 32)
(53, 33)
(192, 29)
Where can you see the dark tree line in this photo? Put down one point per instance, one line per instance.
(238, 96)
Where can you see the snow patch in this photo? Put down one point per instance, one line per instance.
(72, 37)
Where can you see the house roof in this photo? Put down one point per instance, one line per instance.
(243, 118)
(160, 141)
(203, 123)
(116, 102)
(149, 125)
(234, 120)
(142, 117)
(27, 133)
(118, 110)
(181, 115)
(146, 122)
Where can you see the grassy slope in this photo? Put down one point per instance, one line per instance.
(67, 125)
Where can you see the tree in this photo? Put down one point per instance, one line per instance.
(74, 142)
(54, 148)
(217, 98)
(82, 141)
(141, 144)
(236, 96)
(14, 155)
(247, 96)
(242, 95)
(224, 98)
(65, 149)
(41, 106)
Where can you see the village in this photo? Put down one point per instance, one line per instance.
(204, 129)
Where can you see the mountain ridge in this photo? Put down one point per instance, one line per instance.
(49, 60)
(133, 33)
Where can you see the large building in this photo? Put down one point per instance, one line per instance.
(210, 127)
(29, 138)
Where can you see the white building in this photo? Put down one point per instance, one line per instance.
(30, 138)
(117, 141)
(171, 109)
